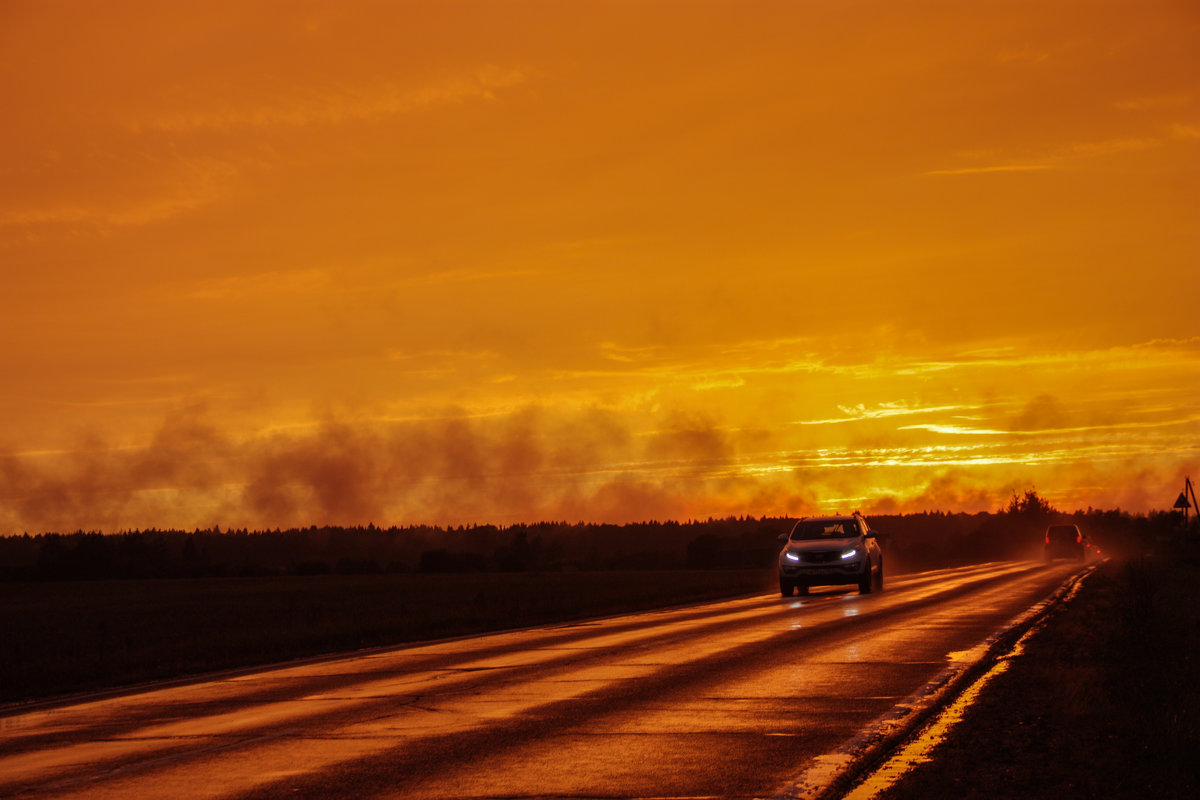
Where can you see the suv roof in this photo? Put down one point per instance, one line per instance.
(833, 518)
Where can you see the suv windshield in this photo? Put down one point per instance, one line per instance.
(826, 529)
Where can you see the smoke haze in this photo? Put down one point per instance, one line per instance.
(532, 464)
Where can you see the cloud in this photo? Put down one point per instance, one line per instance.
(337, 106)
(526, 465)
(883, 410)
(950, 490)
(1042, 413)
(1107, 147)
(992, 168)
(332, 475)
(175, 186)
(1185, 131)
(1071, 153)
(952, 430)
(535, 463)
(1154, 102)
(273, 283)
(94, 486)
(544, 453)
(145, 211)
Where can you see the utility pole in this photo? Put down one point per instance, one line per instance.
(1188, 493)
(1190, 489)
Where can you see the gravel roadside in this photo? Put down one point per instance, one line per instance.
(1103, 703)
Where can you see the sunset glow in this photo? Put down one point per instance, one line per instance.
(271, 264)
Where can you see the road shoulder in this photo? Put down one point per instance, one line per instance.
(1103, 702)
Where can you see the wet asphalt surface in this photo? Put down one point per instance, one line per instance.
(729, 699)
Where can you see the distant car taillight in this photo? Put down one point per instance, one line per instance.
(1047, 538)
(1078, 538)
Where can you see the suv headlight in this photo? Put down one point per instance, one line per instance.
(851, 553)
(790, 556)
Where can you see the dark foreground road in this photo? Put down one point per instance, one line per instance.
(732, 699)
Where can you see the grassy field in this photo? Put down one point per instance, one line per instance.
(1105, 702)
(60, 637)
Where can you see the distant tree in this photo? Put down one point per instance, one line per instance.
(1031, 505)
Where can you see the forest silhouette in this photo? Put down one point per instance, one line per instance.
(911, 542)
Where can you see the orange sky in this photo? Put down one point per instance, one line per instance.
(286, 263)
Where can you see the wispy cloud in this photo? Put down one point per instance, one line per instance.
(1069, 154)
(954, 430)
(338, 105)
(1190, 342)
(629, 355)
(1113, 427)
(1185, 131)
(275, 282)
(466, 275)
(1108, 147)
(1174, 353)
(182, 186)
(131, 214)
(994, 168)
(884, 410)
(1154, 102)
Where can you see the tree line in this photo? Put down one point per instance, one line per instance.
(910, 542)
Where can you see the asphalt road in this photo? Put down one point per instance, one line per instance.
(731, 699)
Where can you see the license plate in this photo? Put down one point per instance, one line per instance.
(818, 572)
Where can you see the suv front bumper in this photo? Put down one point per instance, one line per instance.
(822, 574)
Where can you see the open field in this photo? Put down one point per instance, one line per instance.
(1105, 701)
(72, 636)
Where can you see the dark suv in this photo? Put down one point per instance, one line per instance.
(1065, 541)
(825, 551)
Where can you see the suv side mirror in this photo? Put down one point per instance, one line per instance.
(870, 535)
(783, 537)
